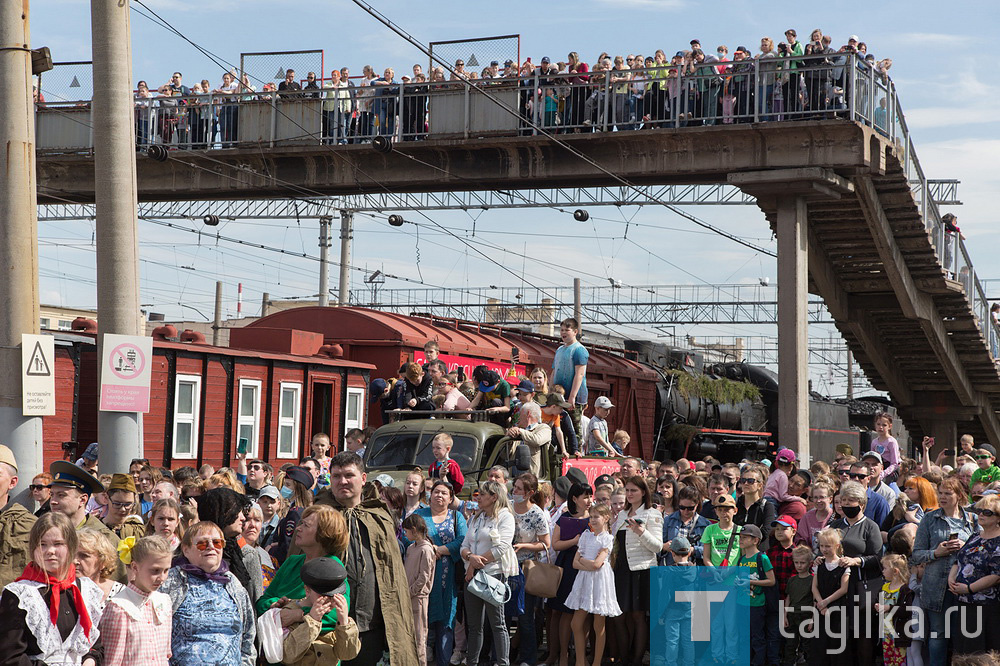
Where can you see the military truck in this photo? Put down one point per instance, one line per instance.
(398, 448)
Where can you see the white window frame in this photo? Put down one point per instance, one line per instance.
(253, 421)
(360, 393)
(294, 421)
(194, 418)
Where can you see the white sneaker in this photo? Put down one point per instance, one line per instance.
(457, 657)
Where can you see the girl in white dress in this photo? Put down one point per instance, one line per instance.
(594, 588)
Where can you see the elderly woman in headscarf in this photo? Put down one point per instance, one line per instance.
(227, 509)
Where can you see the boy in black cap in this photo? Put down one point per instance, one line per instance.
(306, 644)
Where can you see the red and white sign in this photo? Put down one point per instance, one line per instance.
(592, 467)
(469, 364)
(125, 373)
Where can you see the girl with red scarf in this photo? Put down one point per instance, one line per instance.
(48, 614)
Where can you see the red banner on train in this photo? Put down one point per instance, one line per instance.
(469, 364)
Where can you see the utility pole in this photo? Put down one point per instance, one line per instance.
(217, 325)
(346, 234)
(120, 433)
(850, 374)
(18, 238)
(325, 222)
(265, 301)
(577, 304)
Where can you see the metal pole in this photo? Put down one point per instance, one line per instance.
(18, 238)
(324, 260)
(115, 203)
(850, 375)
(217, 326)
(265, 301)
(577, 305)
(346, 234)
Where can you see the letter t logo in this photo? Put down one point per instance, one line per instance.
(701, 610)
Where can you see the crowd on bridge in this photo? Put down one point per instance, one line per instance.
(316, 562)
(787, 79)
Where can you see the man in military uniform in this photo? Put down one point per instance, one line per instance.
(72, 487)
(15, 522)
(121, 518)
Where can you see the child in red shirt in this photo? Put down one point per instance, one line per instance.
(444, 467)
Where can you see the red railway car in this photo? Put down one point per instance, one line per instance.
(387, 340)
(274, 388)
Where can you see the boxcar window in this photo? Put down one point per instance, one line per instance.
(248, 422)
(187, 399)
(288, 420)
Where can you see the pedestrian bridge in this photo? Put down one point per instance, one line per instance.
(841, 185)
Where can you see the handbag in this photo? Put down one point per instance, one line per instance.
(491, 590)
(541, 579)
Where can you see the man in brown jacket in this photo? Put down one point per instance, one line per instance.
(380, 595)
(15, 522)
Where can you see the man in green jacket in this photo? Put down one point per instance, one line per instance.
(15, 522)
(380, 602)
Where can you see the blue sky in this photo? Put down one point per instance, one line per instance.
(949, 98)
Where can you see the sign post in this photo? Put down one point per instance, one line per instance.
(126, 365)
(38, 379)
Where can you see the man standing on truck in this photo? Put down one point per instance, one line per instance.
(569, 369)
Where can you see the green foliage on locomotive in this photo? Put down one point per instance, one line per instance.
(719, 390)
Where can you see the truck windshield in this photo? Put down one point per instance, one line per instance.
(394, 449)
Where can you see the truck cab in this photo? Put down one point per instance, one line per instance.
(398, 448)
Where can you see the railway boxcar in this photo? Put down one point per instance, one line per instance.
(275, 389)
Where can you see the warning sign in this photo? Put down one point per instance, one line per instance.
(38, 382)
(125, 373)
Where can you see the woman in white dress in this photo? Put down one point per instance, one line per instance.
(50, 615)
(594, 588)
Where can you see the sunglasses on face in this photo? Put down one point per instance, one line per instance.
(748, 481)
(844, 472)
(858, 477)
(256, 468)
(204, 544)
(37, 486)
(686, 507)
(989, 513)
(985, 457)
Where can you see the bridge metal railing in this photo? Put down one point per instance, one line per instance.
(676, 94)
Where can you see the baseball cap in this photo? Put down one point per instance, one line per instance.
(91, 452)
(7, 456)
(545, 59)
(989, 448)
(376, 388)
(786, 456)
(725, 499)
(787, 521)
(494, 64)
(853, 38)
(742, 48)
(556, 400)
(679, 54)
(604, 402)
(385, 480)
(680, 545)
(269, 491)
(525, 386)
(301, 475)
(751, 530)
(872, 454)
(508, 62)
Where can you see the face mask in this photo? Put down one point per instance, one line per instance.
(517, 498)
(721, 54)
(286, 492)
(851, 511)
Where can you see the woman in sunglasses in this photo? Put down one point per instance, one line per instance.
(751, 507)
(213, 619)
(973, 579)
(684, 522)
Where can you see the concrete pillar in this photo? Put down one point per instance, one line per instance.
(118, 312)
(346, 235)
(945, 434)
(18, 239)
(324, 260)
(793, 326)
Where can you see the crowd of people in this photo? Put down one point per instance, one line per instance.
(317, 563)
(781, 80)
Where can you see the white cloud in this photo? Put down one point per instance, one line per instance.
(938, 39)
(948, 116)
(657, 5)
